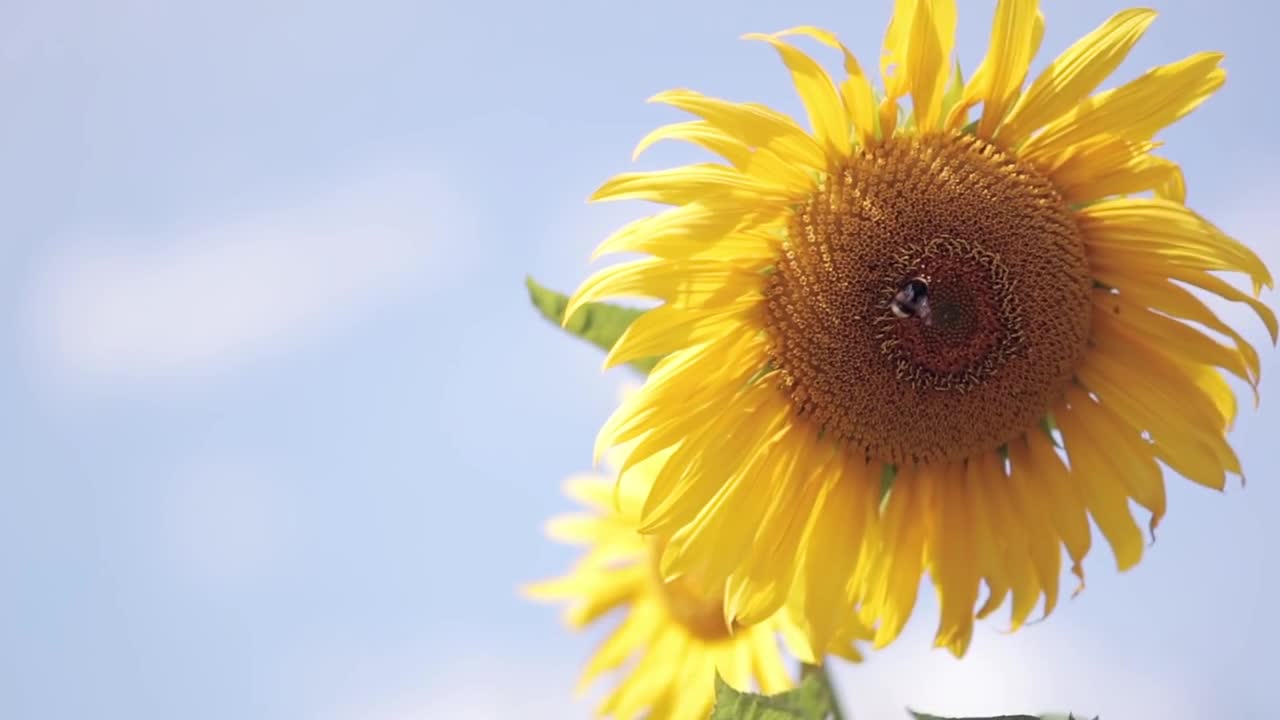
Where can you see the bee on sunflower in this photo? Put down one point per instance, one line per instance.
(902, 343)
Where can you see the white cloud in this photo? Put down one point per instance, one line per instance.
(1064, 665)
(206, 299)
(489, 688)
(227, 525)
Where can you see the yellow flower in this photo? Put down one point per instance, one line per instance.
(675, 633)
(929, 300)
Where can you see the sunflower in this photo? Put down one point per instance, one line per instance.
(915, 342)
(675, 632)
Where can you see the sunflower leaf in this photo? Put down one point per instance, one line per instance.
(600, 324)
(809, 701)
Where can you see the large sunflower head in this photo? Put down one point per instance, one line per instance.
(988, 304)
(673, 633)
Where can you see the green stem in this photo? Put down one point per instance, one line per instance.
(834, 710)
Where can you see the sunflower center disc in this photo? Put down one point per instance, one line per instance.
(932, 300)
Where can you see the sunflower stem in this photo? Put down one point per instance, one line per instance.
(834, 711)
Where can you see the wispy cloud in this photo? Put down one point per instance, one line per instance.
(205, 300)
(475, 688)
(1057, 669)
(227, 524)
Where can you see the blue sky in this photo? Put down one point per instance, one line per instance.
(282, 432)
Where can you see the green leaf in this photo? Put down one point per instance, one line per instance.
(600, 324)
(808, 701)
(888, 472)
(955, 90)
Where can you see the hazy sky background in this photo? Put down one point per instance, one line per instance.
(281, 431)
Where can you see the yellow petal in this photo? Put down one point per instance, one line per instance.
(1157, 329)
(684, 282)
(703, 375)
(1066, 503)
(722, 231)
(1075, 73)
(718, 539)
(770, 672)
(1168, 230)
(666, 329)
(1031, 502)
(691, 183)
(1178, 407)
(893, 56)
(990, 542)
(1125, 355)
(701, 133)
(1101, 488)
(916, 59)
(821, 101)
(843, 513)
(1011, 526)
(892, 594)
(1114, 166)
(762, 583)
(1223, 289)
(952, 563)
(929, 59)
(1136, 110)
(753, 125)
(1131, 456)
(760, 163)
(624, 642)
(709, 457)
(859, 99)
(1013, 44)
(1172, 300)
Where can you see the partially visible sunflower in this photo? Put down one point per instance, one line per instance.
(674, 634)
(928, 303)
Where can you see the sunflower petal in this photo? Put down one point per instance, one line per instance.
(916, 60)
(821, 100)
(1093, 474)
(895, 586)
(717, 230)
(1131, 456)
(1175, 301)
(690, 183)
(1136, 110)
(753, 125)
(1075, 73)
(1193, 345)
(859, 98)
(1066, 503)
(952, 563)
(686, 282)
(843, 515)
(666, 329)
(1014, 41)
(702, 134)
(1115, 166)
(1168, 229)
(1032, 503)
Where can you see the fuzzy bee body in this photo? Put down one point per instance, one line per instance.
(912, 301)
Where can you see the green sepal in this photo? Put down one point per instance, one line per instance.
(888, 472)
(600, 324)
